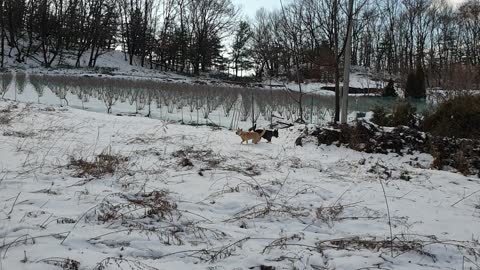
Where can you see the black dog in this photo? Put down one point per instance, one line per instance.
(268, 133)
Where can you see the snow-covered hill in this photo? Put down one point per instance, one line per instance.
(108, 64)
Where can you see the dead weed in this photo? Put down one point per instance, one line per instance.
(103, 164)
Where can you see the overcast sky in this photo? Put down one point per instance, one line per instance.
(250, 7)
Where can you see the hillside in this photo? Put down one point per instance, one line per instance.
(113, 64)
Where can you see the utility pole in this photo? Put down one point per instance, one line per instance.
(2, 33)
(346, 68)
(253, 110)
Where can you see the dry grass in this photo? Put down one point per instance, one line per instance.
(19, 134)
(103, 164)
(122, 263)
(119, 206)
(329, 214)
(270, 209)
(150, 214)
(399, 245)
(63, 263)
(206, 157)
(372, 243)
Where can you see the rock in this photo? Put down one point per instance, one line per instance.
(362, 161)
(298, 141)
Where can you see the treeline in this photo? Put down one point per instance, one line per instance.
(392, 37)
(302, 40)
(44, 29)
(179, 35)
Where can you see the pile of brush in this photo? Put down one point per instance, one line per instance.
(460, 154)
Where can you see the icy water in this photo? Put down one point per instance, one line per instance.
(189, 103)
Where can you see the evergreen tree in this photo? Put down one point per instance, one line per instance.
(239, 47)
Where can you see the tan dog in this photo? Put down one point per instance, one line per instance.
(250, 135)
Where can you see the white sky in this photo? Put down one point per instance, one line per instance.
(250, 7)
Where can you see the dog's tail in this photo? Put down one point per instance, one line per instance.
(263, 132)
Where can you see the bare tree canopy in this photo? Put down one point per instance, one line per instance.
(304, 40)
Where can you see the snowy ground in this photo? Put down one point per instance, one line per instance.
(183, 197)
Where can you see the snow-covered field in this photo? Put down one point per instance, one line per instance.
(183, 197)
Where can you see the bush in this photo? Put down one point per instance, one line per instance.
(404, 114)
(381, 117)
(458, 117)
(460, 154)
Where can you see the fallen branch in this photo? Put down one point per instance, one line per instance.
(11, 210)
(466, 197)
